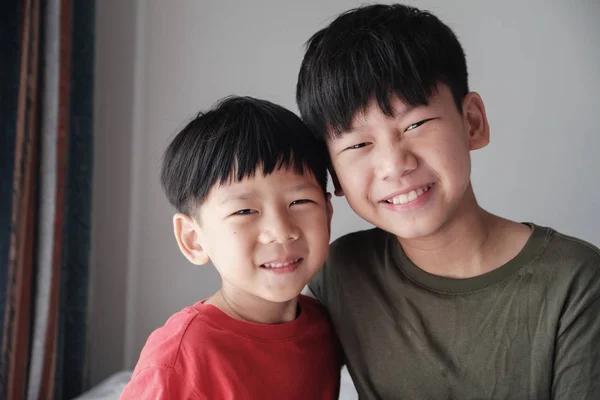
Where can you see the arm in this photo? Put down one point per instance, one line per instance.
(160, 383)
(577, 350)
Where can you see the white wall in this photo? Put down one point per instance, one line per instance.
(535, 65)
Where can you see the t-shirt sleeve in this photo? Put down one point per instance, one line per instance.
(160, 383)
(577, 352)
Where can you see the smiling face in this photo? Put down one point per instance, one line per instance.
(409, 174)
(266, 235)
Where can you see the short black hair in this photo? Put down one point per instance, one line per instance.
(377, 51)
(230, 142)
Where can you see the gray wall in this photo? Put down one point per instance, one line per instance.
(159, 62)
(113, 124)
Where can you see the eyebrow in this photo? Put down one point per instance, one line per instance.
(249, 195)
(242, 196)
(302, 186)
(396, 115)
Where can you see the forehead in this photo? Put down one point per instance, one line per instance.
(440, 98)
(280, 181)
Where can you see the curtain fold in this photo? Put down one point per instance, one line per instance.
(46, 148)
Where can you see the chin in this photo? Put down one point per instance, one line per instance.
(413, 231)
(410, 235)
(282, 297)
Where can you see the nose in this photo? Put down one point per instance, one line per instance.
(394, 160)
(279, 227)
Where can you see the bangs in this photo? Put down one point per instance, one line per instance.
(355, 61)
(237, 138)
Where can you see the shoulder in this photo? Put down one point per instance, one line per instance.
(164, 346)
(346, 259)
(159, 382)
(573, 248)
(163, 366)
(313, 307)
(374, 235)
(358, 243)
(569, 255)
(571, 266)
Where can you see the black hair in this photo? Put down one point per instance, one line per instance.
(377, 51)
(230, 142)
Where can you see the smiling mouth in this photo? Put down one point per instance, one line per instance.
(278, 265)
(410, 196)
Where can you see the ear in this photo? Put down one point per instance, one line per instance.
(475, 120)
(329, 211)
(337, 188)
(188, 234)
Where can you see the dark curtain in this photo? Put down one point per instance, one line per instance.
(46, 93)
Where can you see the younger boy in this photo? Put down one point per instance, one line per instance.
(249, 183)
(443, 300)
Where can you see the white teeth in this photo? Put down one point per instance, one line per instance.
(279, 265)
(408, 197)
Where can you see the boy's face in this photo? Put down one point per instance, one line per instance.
(266, 235)
(410, 174)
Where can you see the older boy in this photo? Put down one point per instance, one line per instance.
(443, 299)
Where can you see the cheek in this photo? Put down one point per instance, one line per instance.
(455, 162)
(315, 227)
(353, 178)
(239, 234)
(235, 237)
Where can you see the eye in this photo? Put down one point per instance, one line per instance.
(417, 124)
(357, 146)
(246, 211)
(301, 201)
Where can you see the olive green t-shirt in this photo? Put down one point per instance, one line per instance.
(527, 330)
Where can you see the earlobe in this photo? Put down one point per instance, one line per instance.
(476, 121)
(188, 235)
(337, 188)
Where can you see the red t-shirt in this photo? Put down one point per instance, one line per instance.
(202, 353)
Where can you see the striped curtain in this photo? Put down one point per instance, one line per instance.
(46, 87)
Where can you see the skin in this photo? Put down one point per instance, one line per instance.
(241, 226)
(426, 149)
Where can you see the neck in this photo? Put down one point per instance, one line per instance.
(461, 248)
(249, 308)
